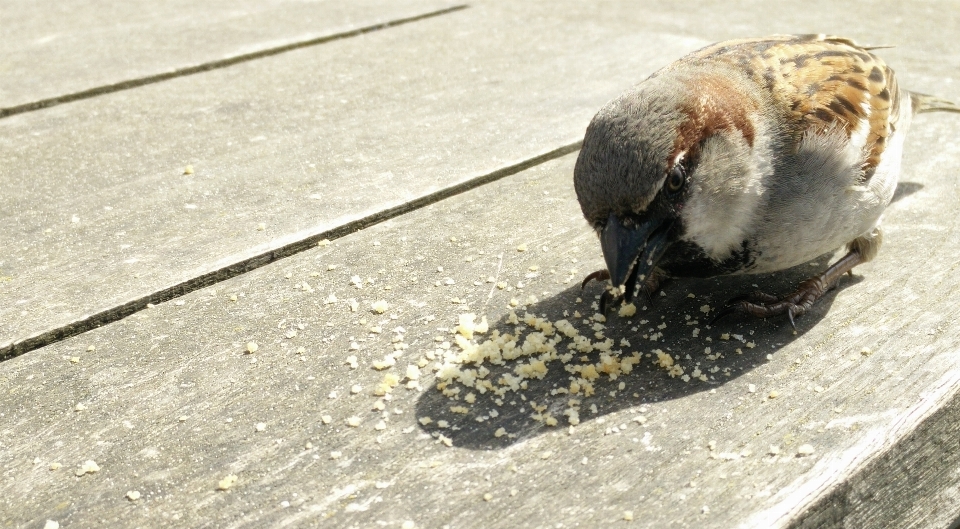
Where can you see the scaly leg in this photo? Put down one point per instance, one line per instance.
(763, 305)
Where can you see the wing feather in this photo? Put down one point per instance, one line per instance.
(821, 83)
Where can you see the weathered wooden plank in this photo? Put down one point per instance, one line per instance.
(50, 49)
(97, 212)
(171, 401)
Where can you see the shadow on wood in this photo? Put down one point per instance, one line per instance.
(647, 382)
(905, 189)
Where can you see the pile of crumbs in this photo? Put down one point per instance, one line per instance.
(488, 372)
(465, 368)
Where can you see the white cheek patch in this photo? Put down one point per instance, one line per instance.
(721, 212)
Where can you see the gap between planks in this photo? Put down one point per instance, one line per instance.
(243, 266)
(215, 65)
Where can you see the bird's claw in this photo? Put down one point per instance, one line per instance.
(762, 305)
(762, 310)
(757, 296)
(607, 298)
(649, 285)
(599, 275)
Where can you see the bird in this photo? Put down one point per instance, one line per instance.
(747, 156)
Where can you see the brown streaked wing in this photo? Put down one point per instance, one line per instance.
(821, 83)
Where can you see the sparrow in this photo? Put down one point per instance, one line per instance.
(745, 157)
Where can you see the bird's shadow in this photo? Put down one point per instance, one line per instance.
(666, 314)
(905, 189)
(480, 429)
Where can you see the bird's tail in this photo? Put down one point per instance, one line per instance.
(928, 103)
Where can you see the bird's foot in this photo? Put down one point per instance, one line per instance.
(599, 275)
(648, 286)
(761, 305)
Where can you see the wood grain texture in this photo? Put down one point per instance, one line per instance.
(168, 403)
(302, 143)
(51, 49)
(187, 361)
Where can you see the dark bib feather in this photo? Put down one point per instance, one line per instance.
(687, 259)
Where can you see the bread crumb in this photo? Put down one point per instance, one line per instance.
(774, 394)
(188, 169)
(522, 248)
(663, 359)
(133, 495)
(413, 372)
(252, 347)
(627, 310)
(380, 306)
(866, 351)
(353, 421)
(751, 388)
(408, 525)
(325, 242)
(261, 426)
(326, 419)
(88, 467)
(227, 482)
(55, 466)
(805, 450)
(773, 450)
(628, 515)
(390, 381)
(487, 496)
(387, 362)
(51, 524)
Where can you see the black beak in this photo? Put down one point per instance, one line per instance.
(631, 253)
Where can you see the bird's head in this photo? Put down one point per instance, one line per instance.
(669, 160)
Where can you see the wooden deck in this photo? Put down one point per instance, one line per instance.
(171, 176)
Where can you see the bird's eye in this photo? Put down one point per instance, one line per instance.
(676, 179)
